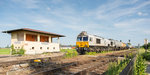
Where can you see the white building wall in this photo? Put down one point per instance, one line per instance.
(46, 47)
(28, 45)
(13, 37)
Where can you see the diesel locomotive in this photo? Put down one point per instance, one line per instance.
(93, 43)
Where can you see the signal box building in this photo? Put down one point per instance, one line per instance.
(34, 41)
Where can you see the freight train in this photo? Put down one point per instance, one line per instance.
(93, 43)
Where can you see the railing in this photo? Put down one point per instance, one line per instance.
(128, 70)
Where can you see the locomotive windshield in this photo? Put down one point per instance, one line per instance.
(82, 38)
(85, 38)
(79, 38)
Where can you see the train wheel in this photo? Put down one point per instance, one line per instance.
(79, 51)
(82, 51)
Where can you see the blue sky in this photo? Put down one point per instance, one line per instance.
(117, 19)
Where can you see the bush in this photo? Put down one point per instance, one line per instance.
(15, 51)
(65, 50)
(90, 53)
(146, 46)
(105, 51)
(139, 66)
(21, 51)
(146, 56)
(69, 53)
(94, 53)
(116, 67)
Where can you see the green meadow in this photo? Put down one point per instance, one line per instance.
(4, 51)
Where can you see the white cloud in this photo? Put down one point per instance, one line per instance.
(7, 25)
(45, 22)
(139, 13)
(132, 23)
(142, 14)
(48, 8)
(113, 10)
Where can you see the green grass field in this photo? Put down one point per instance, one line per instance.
(65, 50)
(4, 51)
(69, 53)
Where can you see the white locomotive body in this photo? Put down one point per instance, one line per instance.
(93, 43)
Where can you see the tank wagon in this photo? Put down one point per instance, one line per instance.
(93, 43)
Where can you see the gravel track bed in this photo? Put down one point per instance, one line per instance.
(90, 64)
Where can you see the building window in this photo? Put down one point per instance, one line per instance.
(48, 48)
(32, 47)
(53, 47)
(18, 47)
(40, 47)
(44, 39)
(31, 37)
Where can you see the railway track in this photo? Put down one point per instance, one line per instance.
(20, 60)
(77, 68)
(88, 67)
(93, 65)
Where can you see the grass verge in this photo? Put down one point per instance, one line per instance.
(94, 53)
(140, 65)
(69, 52)
(5, 51)
(116, 67)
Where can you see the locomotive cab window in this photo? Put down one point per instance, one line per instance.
(85, 38)
(79, 38)
(98, 41)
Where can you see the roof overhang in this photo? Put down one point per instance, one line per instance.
(33, 30)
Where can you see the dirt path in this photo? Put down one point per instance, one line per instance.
(25, 57)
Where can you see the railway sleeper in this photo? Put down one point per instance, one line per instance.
(86, 70)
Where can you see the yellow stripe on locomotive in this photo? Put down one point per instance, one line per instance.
(82, 44)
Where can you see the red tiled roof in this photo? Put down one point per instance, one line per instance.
(33, 30)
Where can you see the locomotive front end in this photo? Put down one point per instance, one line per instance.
(82, 43)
